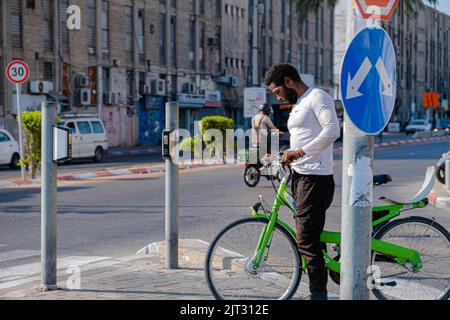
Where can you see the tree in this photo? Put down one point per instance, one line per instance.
(304, 6)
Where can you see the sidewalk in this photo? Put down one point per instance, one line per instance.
(143, 276)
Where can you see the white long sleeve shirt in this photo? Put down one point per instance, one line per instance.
(314, 126)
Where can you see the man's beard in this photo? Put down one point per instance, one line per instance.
(291, 95)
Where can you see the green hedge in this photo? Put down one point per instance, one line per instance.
(210, 122)
(32, 127)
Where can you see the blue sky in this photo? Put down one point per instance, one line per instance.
(444, 6)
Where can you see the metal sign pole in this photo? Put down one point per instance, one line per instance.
(48, 200)
(19, 112)
(172, 194)
(369, 62)
(356, 213)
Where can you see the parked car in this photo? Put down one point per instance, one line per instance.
(444, 124)
(89, 138)
(9, 150)
(418, 125)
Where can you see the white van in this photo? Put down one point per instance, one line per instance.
(89, 138)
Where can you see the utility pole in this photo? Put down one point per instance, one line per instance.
(48, 199)
(172, 190)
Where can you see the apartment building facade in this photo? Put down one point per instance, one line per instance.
(305, 43)
(131, 56)
(421, 42)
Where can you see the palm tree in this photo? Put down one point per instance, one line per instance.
(304, 6)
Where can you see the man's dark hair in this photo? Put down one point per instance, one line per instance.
(278, 72)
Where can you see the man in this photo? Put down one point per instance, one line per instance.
(261, 126)
(314, 126)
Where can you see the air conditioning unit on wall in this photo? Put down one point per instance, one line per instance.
(83, 97)
(158, 87)
(81, 81)
(41, 87)
(189, 87)
(147, 90)
(234, 82)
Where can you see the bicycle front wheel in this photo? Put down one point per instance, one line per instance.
(229, 259)
(399, 281)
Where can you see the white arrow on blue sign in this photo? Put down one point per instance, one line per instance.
(368, 80)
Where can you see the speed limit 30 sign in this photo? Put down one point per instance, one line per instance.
(17, 72)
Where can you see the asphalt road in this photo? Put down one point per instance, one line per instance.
(116, 217)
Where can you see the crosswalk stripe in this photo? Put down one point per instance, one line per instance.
(19, 275)
(17, 254)
(14, 276)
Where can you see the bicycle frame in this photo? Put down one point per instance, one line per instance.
(403, 255)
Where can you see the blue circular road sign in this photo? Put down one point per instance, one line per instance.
(368, 80)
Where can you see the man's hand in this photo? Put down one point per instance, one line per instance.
(291, 155)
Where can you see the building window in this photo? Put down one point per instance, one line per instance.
(173, 41)
(63, 25)
(48, 71)
(141, 36)
(201, 6)
(106, 80)
(218, 8)
(91, 27)
(270, 51)
(16, 23)
(305, 59)
(300, 57)
(269, 14)
(162, 39)
(288, 51)
(130, 83)
(105, 28)
(31, 4)
(218, 36)
(47, 10)
(191, 6)
(202, 46)
(192, 44)
(128, 30)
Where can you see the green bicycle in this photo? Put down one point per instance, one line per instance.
(257, 257)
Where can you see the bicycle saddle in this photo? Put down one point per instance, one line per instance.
(381, 179)
(427, 186)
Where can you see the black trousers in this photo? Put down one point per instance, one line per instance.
(314, 195)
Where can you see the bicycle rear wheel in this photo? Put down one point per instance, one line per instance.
(432, 281)
(227, 265)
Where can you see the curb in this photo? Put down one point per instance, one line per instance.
(405, 142)
(190, 251)
(112, 172)
(439, 201)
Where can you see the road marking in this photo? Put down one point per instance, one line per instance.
(17, 254)
(14, 276)
(23, 274)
